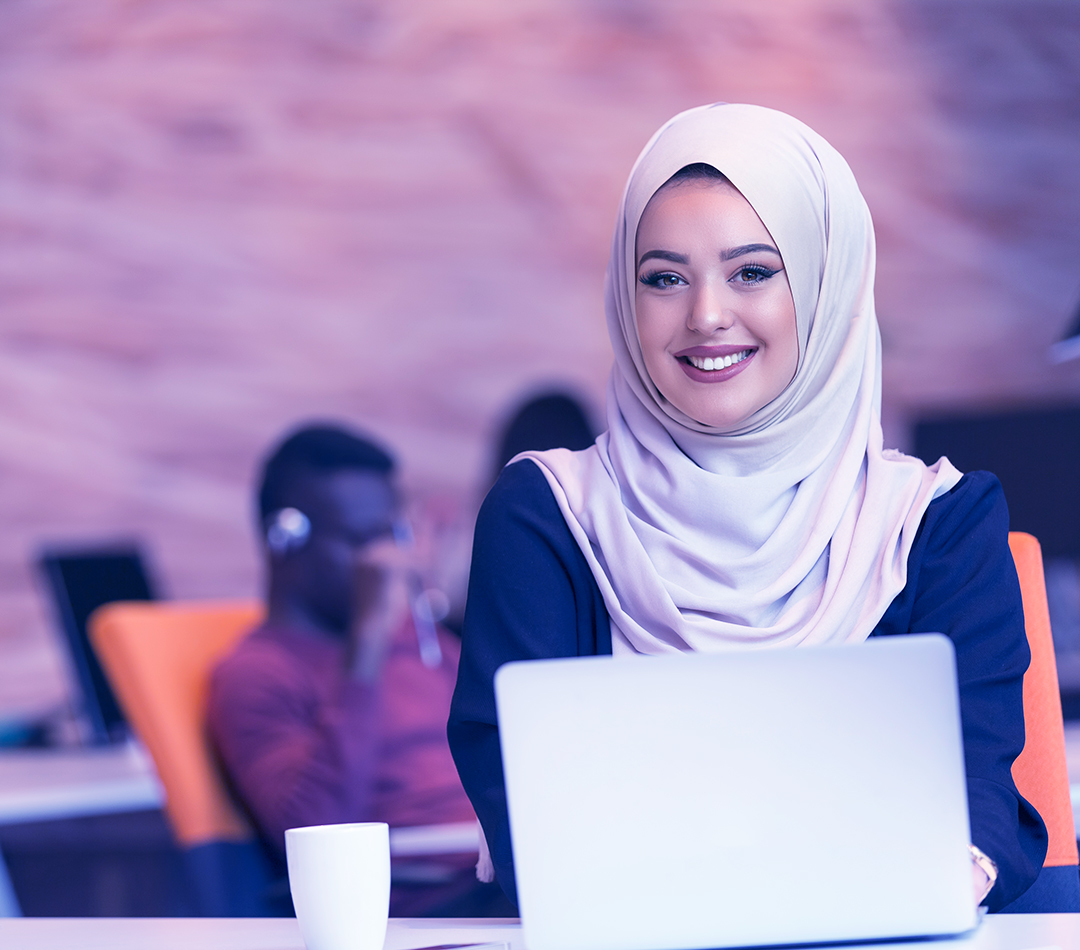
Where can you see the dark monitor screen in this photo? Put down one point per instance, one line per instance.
(1036, 455)
(80, 581)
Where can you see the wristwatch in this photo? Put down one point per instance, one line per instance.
(984, 861)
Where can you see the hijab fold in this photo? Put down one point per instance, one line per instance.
(795, 526)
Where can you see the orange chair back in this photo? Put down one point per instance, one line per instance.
(158, 657)
(1039, 771)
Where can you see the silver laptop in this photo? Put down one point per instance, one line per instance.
(738, 799)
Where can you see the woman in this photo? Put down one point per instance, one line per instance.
(741, 496)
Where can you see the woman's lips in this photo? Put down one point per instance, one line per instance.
(714, 364)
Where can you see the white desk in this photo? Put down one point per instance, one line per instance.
(1007, 932)
(40, 784)
(36, 785)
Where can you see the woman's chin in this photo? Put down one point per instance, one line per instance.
(710, 409)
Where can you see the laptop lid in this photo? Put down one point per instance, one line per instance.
(737, 799)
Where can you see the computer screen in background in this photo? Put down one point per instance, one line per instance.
(80, 581)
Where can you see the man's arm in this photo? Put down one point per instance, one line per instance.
(296, 753)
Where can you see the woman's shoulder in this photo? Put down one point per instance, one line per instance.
(972, 486)
(521, 492)
(976, 504)
(959, 561)
(960, 575)
(530, 582)
(520, 521)
(520, 477)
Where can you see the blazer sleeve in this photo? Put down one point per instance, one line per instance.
(531, 596)
(962, 582)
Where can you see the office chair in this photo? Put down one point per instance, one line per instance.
(1039, 771)
(158, 657)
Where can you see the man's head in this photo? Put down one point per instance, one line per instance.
(325, 493)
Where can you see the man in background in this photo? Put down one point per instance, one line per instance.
(335, 708)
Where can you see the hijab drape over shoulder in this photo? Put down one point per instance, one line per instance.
(794, 527)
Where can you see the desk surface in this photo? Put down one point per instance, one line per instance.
(1006, 932)
(43, 783)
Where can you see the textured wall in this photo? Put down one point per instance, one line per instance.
(220, 217)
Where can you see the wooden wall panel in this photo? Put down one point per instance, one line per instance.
(219, 218)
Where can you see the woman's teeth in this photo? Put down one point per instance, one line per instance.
(718, 362)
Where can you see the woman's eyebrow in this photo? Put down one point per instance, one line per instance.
(748, 249)
(663, 256)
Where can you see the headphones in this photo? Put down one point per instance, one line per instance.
(287, 529)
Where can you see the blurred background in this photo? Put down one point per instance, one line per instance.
(218, 219)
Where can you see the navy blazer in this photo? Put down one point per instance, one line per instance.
(532, 595)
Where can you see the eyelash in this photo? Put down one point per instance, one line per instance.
(760, 271)
(653, 278)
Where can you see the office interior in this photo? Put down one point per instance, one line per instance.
(218, 220)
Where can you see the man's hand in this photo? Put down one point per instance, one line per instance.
(382, 602)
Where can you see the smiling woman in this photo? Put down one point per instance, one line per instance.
(741, 497)
(720, 311)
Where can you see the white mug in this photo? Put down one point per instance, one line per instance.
(339, 876)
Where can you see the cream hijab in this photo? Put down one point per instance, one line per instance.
(795, 527)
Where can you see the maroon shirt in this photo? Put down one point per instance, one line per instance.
(305, 744)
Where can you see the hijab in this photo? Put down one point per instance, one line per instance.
(793, 527)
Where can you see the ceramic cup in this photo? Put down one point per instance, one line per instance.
(339, 876)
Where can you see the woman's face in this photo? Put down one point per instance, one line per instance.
(715, 315)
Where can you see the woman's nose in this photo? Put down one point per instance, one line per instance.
(707, 310)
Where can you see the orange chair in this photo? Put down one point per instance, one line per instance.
(1039, 771)
(158, 657)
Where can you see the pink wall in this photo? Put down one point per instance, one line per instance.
(218, 218)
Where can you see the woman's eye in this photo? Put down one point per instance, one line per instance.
(753, 274)
(661, 279)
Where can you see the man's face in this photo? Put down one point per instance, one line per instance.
(348, 510)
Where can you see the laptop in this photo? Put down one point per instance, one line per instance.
(740, 799)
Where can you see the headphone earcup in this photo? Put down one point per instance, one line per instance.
(287, 529)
